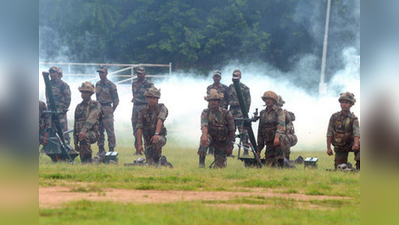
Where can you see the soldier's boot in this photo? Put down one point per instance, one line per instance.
(210, 151)
(201, 161)
(101, 149)
(111, 149)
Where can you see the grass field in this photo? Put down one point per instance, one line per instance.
(255, 196)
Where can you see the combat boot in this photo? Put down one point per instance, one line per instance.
(100, 149)
(201, 161)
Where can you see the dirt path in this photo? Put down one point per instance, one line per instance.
(55, 196)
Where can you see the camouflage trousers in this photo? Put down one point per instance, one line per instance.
(64, 126)
(84, 146)
(107, 124)
(342, 153)
(135, 116)
(274, 154)
(219, 152)
(240, 126)
(153, 151)
(286, 142)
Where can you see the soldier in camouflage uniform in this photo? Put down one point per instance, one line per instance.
(343, 132)
(139, 87)
(271, 130)
(236, 110)
(107, 96)
(43, 124)
(150, 124)
(62, 97)
(289, 139)
(85, 128)
(221, 88)
(217, 126)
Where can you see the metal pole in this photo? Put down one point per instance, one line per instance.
(322, 85)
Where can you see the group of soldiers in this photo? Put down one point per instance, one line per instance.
(219, 121)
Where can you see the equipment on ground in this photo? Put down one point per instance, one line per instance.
(311, 163)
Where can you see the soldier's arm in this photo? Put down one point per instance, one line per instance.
(67, 94)
(280, 127)
(248, 99)
(115, 97)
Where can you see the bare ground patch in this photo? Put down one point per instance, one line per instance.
(55, 196)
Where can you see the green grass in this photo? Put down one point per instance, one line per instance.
(187, 176)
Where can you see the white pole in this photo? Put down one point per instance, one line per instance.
(322, 85)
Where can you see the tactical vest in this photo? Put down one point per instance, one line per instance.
(343, 130)
(82, 116)
(218, 128)
(150, 122)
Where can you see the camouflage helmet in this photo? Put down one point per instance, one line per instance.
(217, 73)
(140, 69)
(213, 95)
(270, 94)
(280, 101)
(347, 96)
(55, 69)
(153, 92)
(87, 86)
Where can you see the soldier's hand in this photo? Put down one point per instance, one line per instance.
(140, 149)
(355, 147)
(155, 138)
(82, 135)
(329, 151)
(204, 140)
(276, 141)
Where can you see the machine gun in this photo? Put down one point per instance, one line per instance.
(247, 125)
(57, 148)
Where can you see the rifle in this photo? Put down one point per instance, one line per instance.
(247, 121)
(52, 151)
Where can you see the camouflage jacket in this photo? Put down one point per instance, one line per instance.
(107, 93)
(62, 95)
(219, 124)
(271, 123)
(86, 116)
(233, 99)
(221, 89)
(147, 120)
(138, 89)
(343, 128)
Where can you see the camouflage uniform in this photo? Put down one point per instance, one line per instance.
(147, 122)
(107, 95)
(272, 125)
(62, 98)
(139, 101)
(343, 129)
(87, 121)
(221, 88)
(43, 120)
(236, 110)
(219, 124)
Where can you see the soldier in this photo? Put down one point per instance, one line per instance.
(150, 124)
(236, 110)
(271, 130)
(85, 128)
(221, 88)
(343, 132)
(62, 97)
(139, 87)
(217, 126)
(107, 96)
(289, 139)
(43, 124)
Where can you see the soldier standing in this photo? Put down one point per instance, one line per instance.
(62, 97)
(271, 129)
(236, 110)
(107, 96)
(221, 88)
(85, 128)
(139, 87)
(150, 124)
(217, 126)
(343, 132)
(289, 139)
